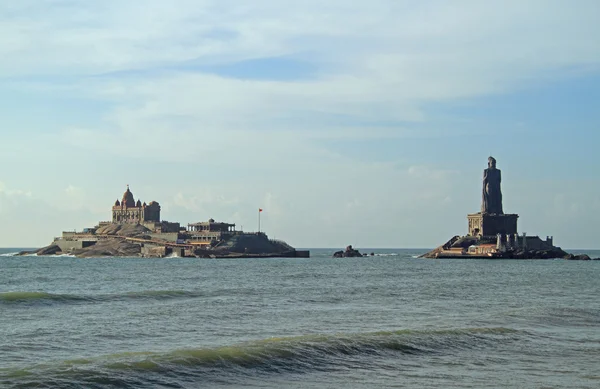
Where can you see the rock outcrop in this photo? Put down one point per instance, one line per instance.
(122, 230)
(580, 257)
(553, 253)
(349, 252)
(251, 244)
(49, 250)
(110, 248)
(446, 251)
(117, 240)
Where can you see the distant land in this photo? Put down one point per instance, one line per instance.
(136, 229)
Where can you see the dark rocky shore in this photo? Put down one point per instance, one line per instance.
(105, 248)
(552, 253)
(133, 241)
(349, 252)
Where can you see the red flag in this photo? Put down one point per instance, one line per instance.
(259, 209)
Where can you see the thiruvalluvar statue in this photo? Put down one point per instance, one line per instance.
(492, 195)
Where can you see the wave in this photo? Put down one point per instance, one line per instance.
(565, 316)
(16, 254)
(12, 297)
(20, 297)
(298, 354)
(41, 297)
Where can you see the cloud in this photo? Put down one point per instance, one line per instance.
(12, 196)
(378, 66)
(74, 194)
(380, 63)
(30, 221)
(187, 97)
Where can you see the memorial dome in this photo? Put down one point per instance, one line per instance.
(128, 200)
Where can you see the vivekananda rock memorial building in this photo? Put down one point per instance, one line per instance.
(136, 229)
(129, 211)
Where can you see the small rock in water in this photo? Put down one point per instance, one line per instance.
(349, 252)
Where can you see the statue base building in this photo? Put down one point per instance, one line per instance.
(485, 224)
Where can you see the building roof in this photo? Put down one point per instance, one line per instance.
(210, 221)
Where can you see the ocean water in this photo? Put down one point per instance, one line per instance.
(390, 320)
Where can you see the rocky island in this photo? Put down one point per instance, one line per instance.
(136, 230)
(348, 253)
(493, 233)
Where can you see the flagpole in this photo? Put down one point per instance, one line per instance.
(259, 220)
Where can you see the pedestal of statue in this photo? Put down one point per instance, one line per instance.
(486, 224)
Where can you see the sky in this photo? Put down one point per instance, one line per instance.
(366, 122)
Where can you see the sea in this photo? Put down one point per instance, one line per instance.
(390, 320)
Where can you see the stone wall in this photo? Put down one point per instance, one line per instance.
(536, 243)
(166, 236)
(490, 225)
(153, 251)
(162, 227)
(169, 226)
(67, 245)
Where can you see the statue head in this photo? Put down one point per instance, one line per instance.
(491, 163)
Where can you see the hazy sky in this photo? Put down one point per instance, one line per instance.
(349, 122)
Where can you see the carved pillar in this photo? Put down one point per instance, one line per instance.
(498, 241)
(509, 243)
(516, 239)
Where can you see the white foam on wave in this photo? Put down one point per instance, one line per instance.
(36, 255)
